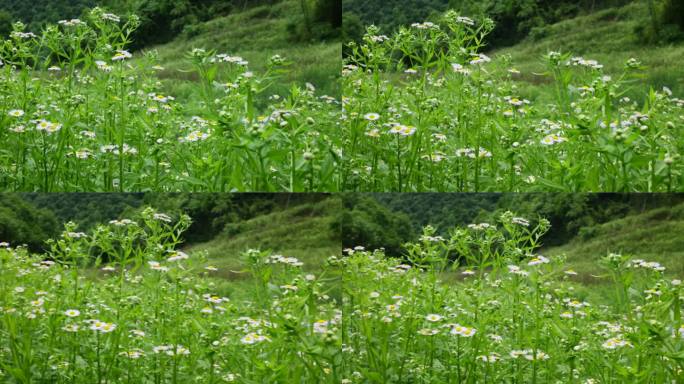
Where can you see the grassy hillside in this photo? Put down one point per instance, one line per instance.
(255, 34)
(306, 232)
(653, 236)
(607, 36)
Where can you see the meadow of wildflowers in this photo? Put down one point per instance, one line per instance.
(507, 314)
(121, 304)
(425, 110)
(79, 112)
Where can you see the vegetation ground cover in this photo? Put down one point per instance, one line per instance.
(90, 120)
(122, 304)
(426, 110)
(512, 315)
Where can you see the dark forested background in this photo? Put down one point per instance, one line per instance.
(388, 220)
(372, 220)
(33, 218)
(162, 20)
(515, 19)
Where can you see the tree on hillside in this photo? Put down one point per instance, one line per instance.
(23, 223)
(5, 23)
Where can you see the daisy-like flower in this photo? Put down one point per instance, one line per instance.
(407, 130)
(566, 315)
(111, 17)
(480, 58)
(101, 326)
(289, 287)
(679, 332)
(178, 255)
(531, 356)
(491, 358)
(211, 268)
(519, 352)
(134, 354)
(214, 299)
(458, 68)
(253, 338)
(82, 154)
(49, 127)
(465, 20)
(480, 226)
(459, 330)
(433, 318)
(103, 66)
(22, 35)
(372, 116)
(155, 265)
(538, 260)
(160, 98)
(428, 331)
(321, 326)
(121, 55)
(402, 130)
(373, 133)
(161, 348)
(552, 139)
(37, 303)
(72, 312)
(71, 328)
(516, 270)
(16, 113)
(162, 217)
(616, 342)
(425, 25)
(195, 136)
(178, 351)
(515, 101)
(137, 333)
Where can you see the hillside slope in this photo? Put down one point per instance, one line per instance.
(307, 232)
(256, 34)
(655, 235)
(607, 36)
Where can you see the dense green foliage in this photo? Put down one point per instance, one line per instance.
(515, 19)
(309, 231)
(388, 15)
(33, 218)
(510, 315)
(570, 215)
(426, 110)
(23, 223)
(118, 128)
(86, 209)
(163, 20)
(38, 12)
(150, 313)
(650, 235)
(365, 222)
